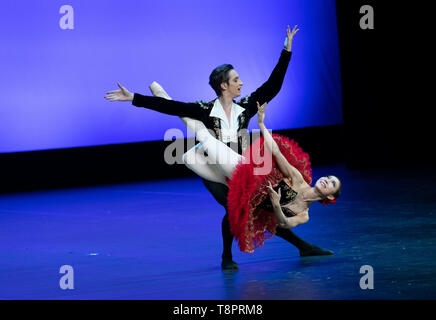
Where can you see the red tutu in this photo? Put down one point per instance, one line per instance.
(249, 224)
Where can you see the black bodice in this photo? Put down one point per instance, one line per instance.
(287, 196)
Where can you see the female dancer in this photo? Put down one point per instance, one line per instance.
(259, 202)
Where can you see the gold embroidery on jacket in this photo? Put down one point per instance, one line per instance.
(242, 135)
(203, 104)
(217, 128)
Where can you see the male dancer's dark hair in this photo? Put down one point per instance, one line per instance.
(219, 75)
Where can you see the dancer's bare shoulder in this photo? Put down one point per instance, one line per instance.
(295, 183)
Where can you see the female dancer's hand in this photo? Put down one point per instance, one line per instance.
(260, 112)
(119, 95)
(274, 196)
(290, 38)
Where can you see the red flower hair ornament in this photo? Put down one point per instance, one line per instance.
(328, 201)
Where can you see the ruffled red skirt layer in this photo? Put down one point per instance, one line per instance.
(249, 224)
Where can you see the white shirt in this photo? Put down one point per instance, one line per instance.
(229, 130)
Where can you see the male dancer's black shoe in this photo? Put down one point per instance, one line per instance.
(306, 249)
(313, 250)
(229, 264)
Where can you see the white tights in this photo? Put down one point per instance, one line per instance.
(220, 160)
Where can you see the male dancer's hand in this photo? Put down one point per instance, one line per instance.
(119, 95)
(290, 38)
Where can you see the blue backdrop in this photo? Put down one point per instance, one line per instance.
(54, 79)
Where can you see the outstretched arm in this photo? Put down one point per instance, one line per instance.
(272, 86)
(170, 107)
(285, 167)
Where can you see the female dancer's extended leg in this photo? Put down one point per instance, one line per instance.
(197, 161)
(220, 160)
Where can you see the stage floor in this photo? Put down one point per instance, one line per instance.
(162, 240)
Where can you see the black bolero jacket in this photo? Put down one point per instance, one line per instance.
(200, 110)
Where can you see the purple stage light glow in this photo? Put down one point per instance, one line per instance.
(55, 79)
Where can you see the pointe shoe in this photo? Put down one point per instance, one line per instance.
(157, 90)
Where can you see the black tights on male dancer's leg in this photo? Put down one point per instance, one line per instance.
(219, 192)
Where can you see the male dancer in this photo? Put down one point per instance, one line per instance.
(229, 121)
